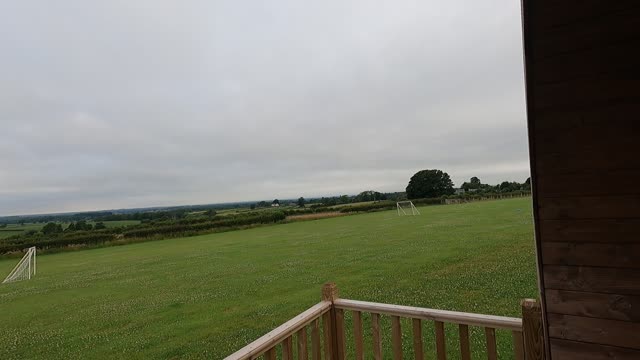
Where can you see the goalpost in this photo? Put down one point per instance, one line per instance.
(25, 269)
(407, 208)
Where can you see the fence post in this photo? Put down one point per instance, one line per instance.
(532, 330)
(330, 293)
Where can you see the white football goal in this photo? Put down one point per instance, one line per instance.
(25, 269)
(407, 208)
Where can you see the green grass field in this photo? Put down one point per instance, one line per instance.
(207, 296)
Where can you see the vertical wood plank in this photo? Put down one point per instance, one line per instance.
(271, 354)
(518, 346)
(465, 346)
(287, 349)
(336, 328)
(492, 350)
(303, 354)
(396, 337)
(418, 351)
(377, 340)
(327, 331)
(315, 340)
(440, 343)
(339, 336)
(532, 330)
(357, 334)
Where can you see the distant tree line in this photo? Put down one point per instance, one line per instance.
(437, 183)
(426, 187)
(54, 235)
(476, 186)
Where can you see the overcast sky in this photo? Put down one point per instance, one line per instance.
(130, 103)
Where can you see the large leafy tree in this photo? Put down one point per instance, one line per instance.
(51, 228)
(473, 184)
(429, 184)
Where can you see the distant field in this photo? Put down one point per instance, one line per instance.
(6, 233)
(207, 296)
(16, 229)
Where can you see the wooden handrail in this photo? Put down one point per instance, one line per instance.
(331, 310)
(282, 332)
(497, 322)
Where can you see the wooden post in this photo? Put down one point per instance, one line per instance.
(377, 339)
(396, 338)
(330, 293)
(287, 349)
(315, 340)
(440, 341)
(418, 351)
(532, 330)
(492, 348)
(465, 346)
(303, 353)
(357, 335)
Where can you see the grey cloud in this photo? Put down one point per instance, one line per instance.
(135, 103)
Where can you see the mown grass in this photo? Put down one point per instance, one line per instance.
(207, 296)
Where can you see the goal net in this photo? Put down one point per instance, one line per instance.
(407, 208)
(25, 269)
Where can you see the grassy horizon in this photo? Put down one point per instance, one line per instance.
(207, 296)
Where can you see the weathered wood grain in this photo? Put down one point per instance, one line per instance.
(594, 305)
(600, 331)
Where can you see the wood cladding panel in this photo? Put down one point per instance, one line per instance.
(566, 349)
(588, 129)
(594, 305)
(616, 182)
(590, 230)
(583, 107)
(587, 91)
(601, 331)
(600, 31)
(592, 279)
(573, 160)
(550, 15)
(552, 126)
(595, 207)
(617, 255)
(613, 60)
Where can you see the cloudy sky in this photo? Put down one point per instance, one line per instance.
(130, 103)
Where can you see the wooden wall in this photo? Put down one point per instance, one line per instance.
(583, 102)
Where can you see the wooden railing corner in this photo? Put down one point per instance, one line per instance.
(330, 315)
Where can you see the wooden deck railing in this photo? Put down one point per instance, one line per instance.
(330, 341)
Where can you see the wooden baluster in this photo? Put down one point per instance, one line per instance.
(492, 351)
(357, 334)
(315, 340)
(327, 330)
(340, 341)
(396, 337)
(377, 339)
(440, 344)
(302, 344)
(518, 345)
(287, 349)
(465, 347)
(271, 354)
(418, 351)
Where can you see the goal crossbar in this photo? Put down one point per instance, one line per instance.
(25, 268)
(407, 208)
